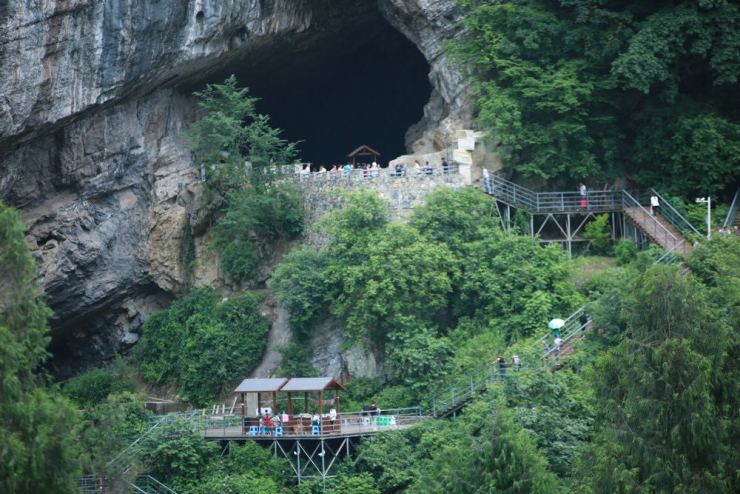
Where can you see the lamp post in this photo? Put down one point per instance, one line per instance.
(708, 201)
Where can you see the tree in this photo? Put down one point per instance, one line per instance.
(457, 217)
(238, 150)
(201, 343)
(578, 89)
(230, 132)
(668, 414)
(487, 453)
(38, 451)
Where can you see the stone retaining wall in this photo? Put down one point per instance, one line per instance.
(323, 191)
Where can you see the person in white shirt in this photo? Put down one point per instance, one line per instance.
(654, 204)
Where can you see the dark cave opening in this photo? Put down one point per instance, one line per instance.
(363, 83)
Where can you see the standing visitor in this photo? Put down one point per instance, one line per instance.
(487, 181)
(558, 341)
(501, 367)
(654, 204)
(417, 167)
(445, 166)
(517, 362)
(583, 193)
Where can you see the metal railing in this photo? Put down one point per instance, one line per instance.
(651, 226)
(730, 218)
(551, 202)
(368, 175)
(147, 484)
(573, 327)
(675, 218)
(347, 423)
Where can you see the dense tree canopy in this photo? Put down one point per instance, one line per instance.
(591, 90)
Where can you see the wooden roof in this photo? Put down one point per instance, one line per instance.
(261, 385)
(364, 149)
(310, 384)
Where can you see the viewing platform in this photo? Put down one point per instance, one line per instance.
(302, 426)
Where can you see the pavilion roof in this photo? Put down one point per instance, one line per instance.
(309, 384)
(260, 385)
(364, 147)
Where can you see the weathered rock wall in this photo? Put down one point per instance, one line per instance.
(92, 102)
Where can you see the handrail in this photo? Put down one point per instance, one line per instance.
(669, 256)
(674, 217)
(634, 203)
(730, 218)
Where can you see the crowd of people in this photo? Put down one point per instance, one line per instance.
(370, 170)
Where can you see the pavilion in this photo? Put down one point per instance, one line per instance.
(363, 150)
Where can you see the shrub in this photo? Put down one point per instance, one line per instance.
(625, 252)
(93, 386)
(203, 344)
(598, 234)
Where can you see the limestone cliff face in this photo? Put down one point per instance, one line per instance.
(93, 97)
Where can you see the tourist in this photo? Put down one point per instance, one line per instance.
(654, 204)
(487, 182)
(417, 167)
(399, 170)
(445, 166)
(583, 320)
(333, 418)
(501, 367)
(322, 169)
(268, 424)
(373, 409)
(558, 341)
(583, 192)
(428, 168)
(517, 362)
(347, 169)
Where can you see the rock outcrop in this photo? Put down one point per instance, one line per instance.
(93, 97)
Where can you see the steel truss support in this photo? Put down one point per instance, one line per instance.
(313, 458)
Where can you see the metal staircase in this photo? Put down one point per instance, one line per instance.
(142, 484)
(732, 220)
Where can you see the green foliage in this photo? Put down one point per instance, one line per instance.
(252, 217)
(625, 251)
(94, 386)
(577, 89)
(202, 344)
(238, 149)
(177, 455)
(300, 287)
(514, 280)
(398, 265)
(487, 452)
(38, 428)
(456, 218)
(296, 361)
(667, 417)
(413, 293)
(246, 468)
(343, 483)
(598, 234)
(230, 132)
(109, 427)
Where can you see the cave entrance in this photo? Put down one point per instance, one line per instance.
(358, 81)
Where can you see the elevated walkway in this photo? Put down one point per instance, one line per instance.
(562, 216)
